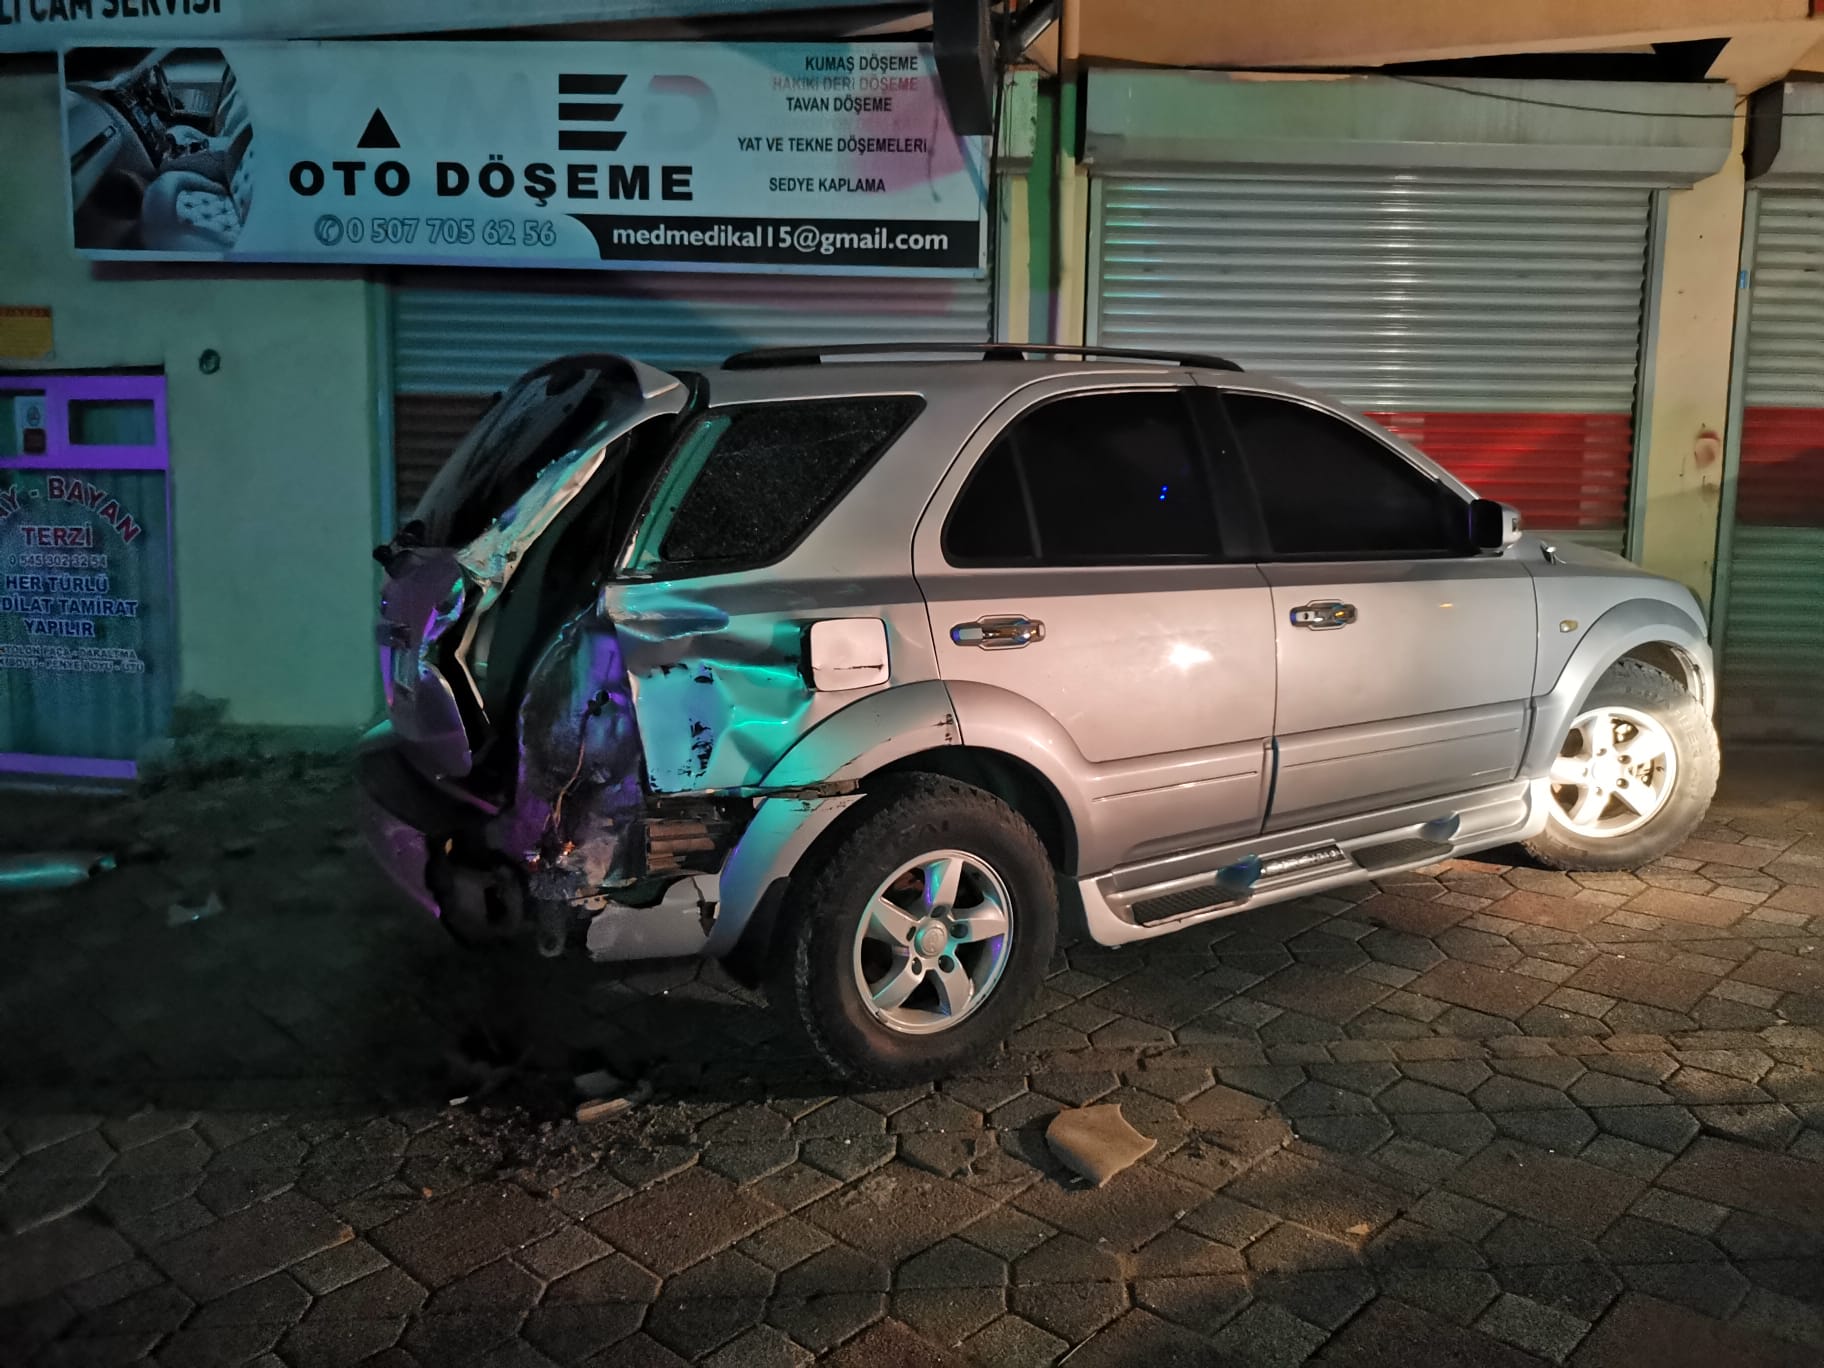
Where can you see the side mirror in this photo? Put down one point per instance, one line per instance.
(1493, 526)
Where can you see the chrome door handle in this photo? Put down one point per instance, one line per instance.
(1326, 616)
(998, 633)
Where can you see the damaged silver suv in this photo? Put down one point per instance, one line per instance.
(854, 667)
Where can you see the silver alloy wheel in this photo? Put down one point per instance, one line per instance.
(933, 941)
(1614, 773)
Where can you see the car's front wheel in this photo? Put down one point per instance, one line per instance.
(913, 944)
(1634, 776)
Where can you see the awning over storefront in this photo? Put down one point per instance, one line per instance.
(1656, 134)
(1786, 137)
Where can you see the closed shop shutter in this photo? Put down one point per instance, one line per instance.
(456, 343)
(1494, 322)
(1773, 627)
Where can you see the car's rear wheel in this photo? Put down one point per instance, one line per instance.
(1634, 775)
(911, 946)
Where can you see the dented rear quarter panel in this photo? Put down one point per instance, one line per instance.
(717, 662)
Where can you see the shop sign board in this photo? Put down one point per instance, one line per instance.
(47, 25)
(87, 662)
(805, 157)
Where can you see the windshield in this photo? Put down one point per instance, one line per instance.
(546, 414)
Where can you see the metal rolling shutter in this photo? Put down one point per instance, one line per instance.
(1495, 323)
(455, 345)
(1773, 624)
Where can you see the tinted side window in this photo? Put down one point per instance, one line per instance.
(1328, 490)
(1101, 479)
(770, 473)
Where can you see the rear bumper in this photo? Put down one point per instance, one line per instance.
(402, 814)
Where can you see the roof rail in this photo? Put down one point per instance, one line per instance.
(766, 357)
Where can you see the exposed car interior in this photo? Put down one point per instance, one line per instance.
(159, 155)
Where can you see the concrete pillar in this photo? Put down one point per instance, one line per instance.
(1687, 377)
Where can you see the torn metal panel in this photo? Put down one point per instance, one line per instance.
(678, 924)
(578, 795)
(492, 557)
(720, 699)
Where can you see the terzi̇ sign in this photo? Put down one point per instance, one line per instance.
(758, 157)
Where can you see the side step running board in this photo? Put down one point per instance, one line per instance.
(1234, 886)
(1414, 850)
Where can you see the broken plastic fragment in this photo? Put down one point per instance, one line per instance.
(183, 913)
(601, 1108)
(51, 869)
(1096, 1142)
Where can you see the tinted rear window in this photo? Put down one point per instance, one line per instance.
(755, 480)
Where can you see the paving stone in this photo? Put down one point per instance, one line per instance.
(218, 1346)
(1358, 1135)
(1645, 1330)
(331, 1344)
(761, 1347)
(681, 1220)
(1291, 1248)
(1327, 1198)
(250, 1244)
(1015, 1342)
(1124, 1214)
(893, 1212)
(570, 1332)
(1784, 973)
(1624, 1156)
(1526, 1324)
(1065, 1258)
(1485, 990)
(615, 1278)
(1461, 1133)
(1179, 1253)
(697, 1326)
(1390, 1332)
(1411, 916)
(1458, 1294)
(1669, 1128)
(1550, 1188)
(1687, 906)
(1267, 1335)
(1320, 993)
(1204, 1303)
(1008, 1233)
(949, 1315)
(502, 1284)
(1560, 1130)
(1741, 1176)
(334, 1267)
(1073, 1311)
(1639, 981)
(1710, 1289)
(1562, 913)
(1229, 1222)
(847, 1159)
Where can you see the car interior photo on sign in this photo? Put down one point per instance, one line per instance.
(870, 671)
(160, 149)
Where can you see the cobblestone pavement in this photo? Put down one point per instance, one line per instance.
(1486, 1116)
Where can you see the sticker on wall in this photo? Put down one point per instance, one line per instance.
(25, 333)
(823, 157)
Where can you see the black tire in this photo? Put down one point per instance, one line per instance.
(903, 817)
(1633, 684)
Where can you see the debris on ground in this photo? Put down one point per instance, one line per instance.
(182, 913)
(601, 1108)
(51, 869)
(1096, 1142)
